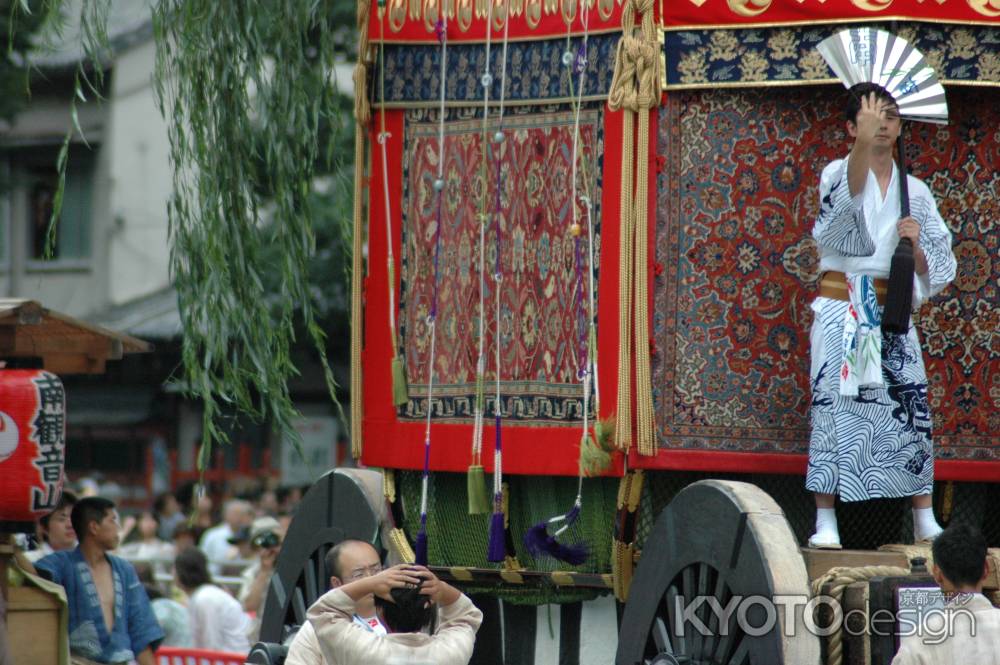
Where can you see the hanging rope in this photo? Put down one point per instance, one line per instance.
(362, 114)
(592, 460)
(476, 478)
(635, 90)
(421, 543)
(497, 547)
(400, 389)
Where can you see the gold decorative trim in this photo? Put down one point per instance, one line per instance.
(511, 576)
(820, 22)
(461, 573)
(562, 578)
(464, 12)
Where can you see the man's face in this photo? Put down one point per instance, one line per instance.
(106, 533)
(359, 561)
(60, 531)
(888, 131)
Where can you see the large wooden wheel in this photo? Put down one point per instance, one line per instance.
(717, 539)
(338, 507)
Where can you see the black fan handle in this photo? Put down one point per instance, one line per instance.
(904, 186)
(899, 296)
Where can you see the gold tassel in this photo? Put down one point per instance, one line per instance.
(479, 498)
(623, 544)
(389, 485)
(635, 89)
(593, 460)
(399, 543)
(400, 387)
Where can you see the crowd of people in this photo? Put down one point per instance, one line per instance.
(203, 579)
(171, 576)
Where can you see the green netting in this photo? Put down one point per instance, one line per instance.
(455, 538)
(863, 525)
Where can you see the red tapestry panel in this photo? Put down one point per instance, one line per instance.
(737, 197)
(540, 324)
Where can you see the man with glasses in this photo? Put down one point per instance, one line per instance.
(348, 561)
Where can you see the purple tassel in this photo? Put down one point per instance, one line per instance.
(497, 550)
(539, 543)
(420, 548)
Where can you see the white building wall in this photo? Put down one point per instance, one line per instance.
(140, 180)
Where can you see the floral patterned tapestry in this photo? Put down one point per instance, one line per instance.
(769, 56)
(737, 268)
(540, 302)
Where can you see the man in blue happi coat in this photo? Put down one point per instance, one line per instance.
(110, 619)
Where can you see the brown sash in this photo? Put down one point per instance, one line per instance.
(833, 284)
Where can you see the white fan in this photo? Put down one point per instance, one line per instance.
(867, 55)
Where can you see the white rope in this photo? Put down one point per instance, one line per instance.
(487, 81)
(383, 139)
(497, 276)
(432, 319)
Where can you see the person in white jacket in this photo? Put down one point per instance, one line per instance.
(968, 629)
(870, 418)
(347, 561)
(407, 598)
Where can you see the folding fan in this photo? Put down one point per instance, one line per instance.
(860, 55)
(867, 55)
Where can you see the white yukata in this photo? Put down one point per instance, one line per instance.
(871, 424)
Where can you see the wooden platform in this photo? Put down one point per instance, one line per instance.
(819, 562)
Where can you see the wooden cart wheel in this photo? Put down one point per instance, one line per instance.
(336, 508)
(717, 539)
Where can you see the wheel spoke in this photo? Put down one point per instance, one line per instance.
(720, 591)
(680, 645)
(693, 636)
(661, 637)
(742, 655)
(299, 607)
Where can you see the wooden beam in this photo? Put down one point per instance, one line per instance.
(819, 562)
(19, 342)
(72, 363)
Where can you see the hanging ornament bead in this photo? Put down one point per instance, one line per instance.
(438, 185)
(498, 137)
(487, 80)
(567, 58)
(575, 230)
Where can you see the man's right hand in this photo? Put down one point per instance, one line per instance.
(870, 118)
(384, 582)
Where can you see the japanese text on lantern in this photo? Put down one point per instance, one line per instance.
(49, 425)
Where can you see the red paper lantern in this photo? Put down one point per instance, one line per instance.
(32, 443)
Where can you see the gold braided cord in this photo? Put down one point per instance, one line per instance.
(645, 427)
(362, 109)
(362, 115)
(623, 413)
(839, 579)
(357, 268)
(635, 89)
(399, 542)
(622, 552)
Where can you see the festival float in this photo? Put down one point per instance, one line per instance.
(582, 276)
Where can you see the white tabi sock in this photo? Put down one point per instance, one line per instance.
(826, 526)
(925, 527)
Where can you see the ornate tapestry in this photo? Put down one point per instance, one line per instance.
(535, 71)
(539, 325)
(700, 58)
(737, 268)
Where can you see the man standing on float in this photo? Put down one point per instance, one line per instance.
(870, 420)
